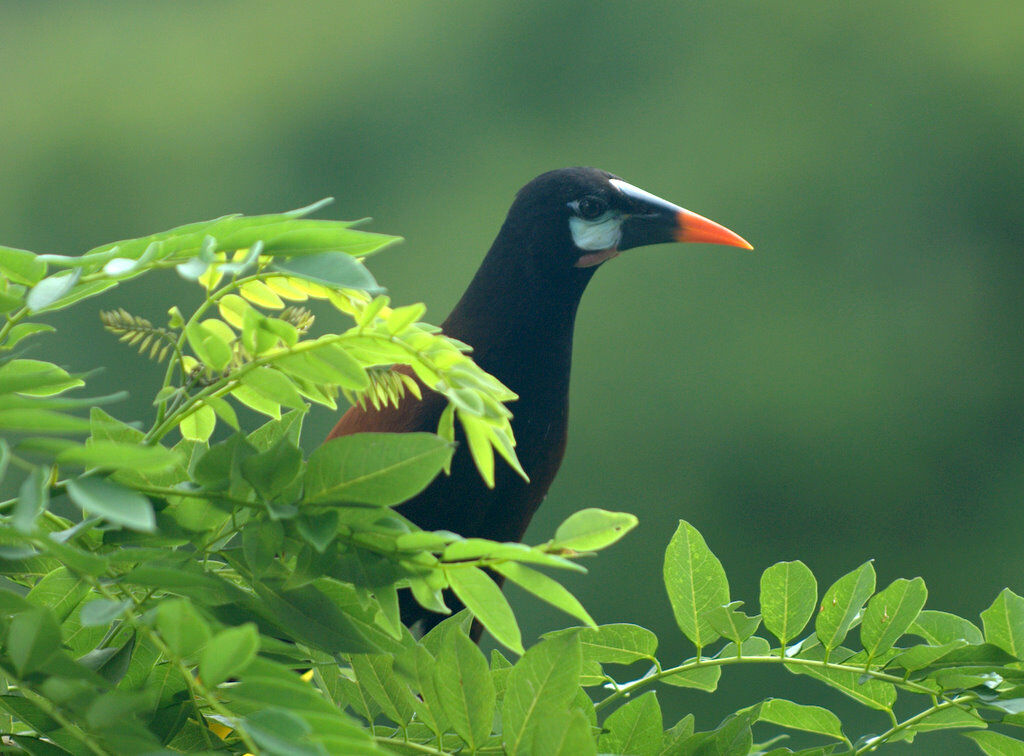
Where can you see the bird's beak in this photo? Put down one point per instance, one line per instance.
(652, 220)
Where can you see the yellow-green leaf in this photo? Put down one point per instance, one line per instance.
(199, 425)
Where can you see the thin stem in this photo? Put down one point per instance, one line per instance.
(409, 745)
(626, 690)
(899, 727)
(11, 321)
(211, 299)
(165, 491)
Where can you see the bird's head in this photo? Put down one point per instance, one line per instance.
(582, 217)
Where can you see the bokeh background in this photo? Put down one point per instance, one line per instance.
(850, 390)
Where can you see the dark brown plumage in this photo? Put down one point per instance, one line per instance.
(518, 315)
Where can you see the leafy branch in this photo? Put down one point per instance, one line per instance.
(216, 588)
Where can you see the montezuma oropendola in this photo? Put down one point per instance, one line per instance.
(518, 316)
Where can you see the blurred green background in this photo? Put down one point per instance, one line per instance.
(851, 389)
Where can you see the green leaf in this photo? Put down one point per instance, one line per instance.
(696, 583)
(676, 736)
(593, 529)
(265, 682)
(113, 502)
(256, 401)
(261, 542)
(919, 657)
(842, 604)
(701, 678)
(375, 468)
(320, 204)
(755, 645)
(31, 714)
(273, 470)
(634, 728)
(729, 622)
(21, 266)
(464, 549)
(273, 385)
(544, 679)
(181, 627)
(114, 710)
(260, 294)
(876, 694)
(545, 588)
(401, 318)
(23, 330)
(102, 612)
(983, 654)
(209, 348)
(333, 269)
(796, 716)
(198, 425)
(1004, 623)
(223, 410)
(941, 627)
(228, 653)
(964, 677)
(789, 594)
(732, 736)
(478, 439)
(114, 455)
(75, 558)
(375, 675)
(308, 366)
(232, 309)
(221, 464)
(890, 614)
(464, 687)
(37, 747)
(563, 733)
(287, 426)
(346, 370)
(484, 599)
(615, 644)
(996, 744)
(318, 529)
(279, 732)
(106, 427)
(36, 378)
(10, 298)
(67, 297)
(425, 540)
(50, 290)
(947, 719)
(33, 497)
(257, 337)
(32, 638)
(41, 421)
(314, 618)
(428, 704)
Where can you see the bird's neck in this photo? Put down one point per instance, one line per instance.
(519, 320)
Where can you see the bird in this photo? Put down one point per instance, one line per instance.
(518, 314)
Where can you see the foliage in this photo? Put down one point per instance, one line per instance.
(228, 593)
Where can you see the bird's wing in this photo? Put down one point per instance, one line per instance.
(411, 415)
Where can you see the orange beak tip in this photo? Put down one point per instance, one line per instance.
(691, 227)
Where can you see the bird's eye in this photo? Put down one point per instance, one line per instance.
(590, 208)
